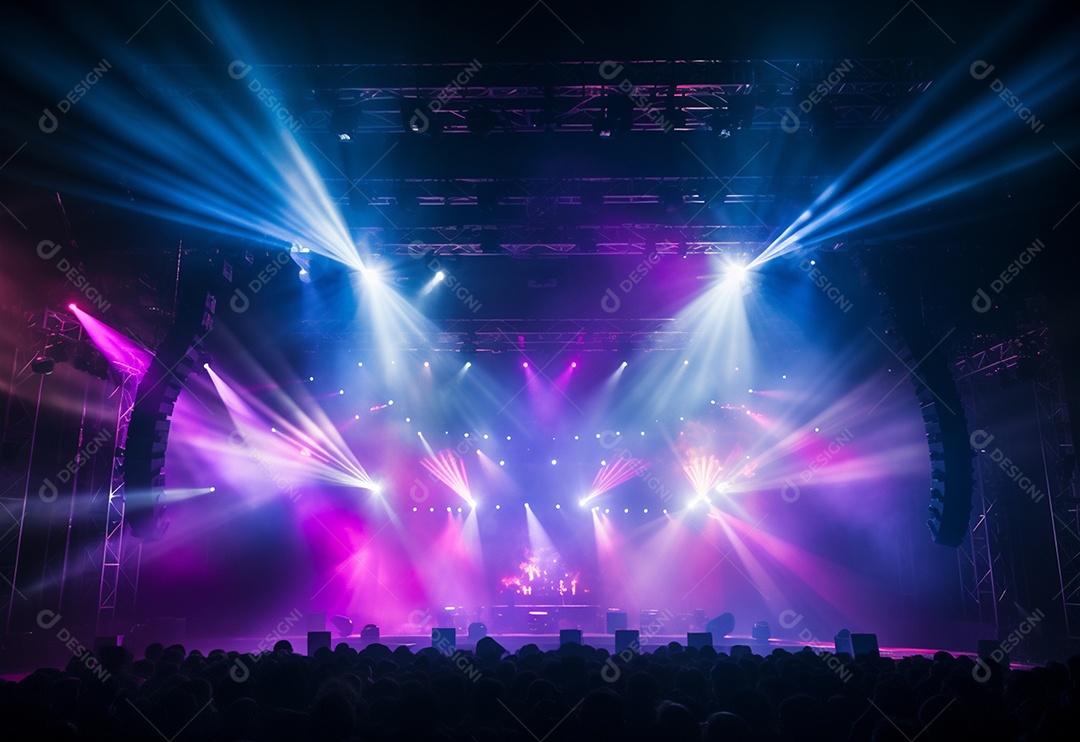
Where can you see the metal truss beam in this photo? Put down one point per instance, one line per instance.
(566, 97)
(510, 335)
(119, 557)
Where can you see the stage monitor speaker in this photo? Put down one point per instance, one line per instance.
(445, 640)
(477, 631)
(616, 621)
(370, 633)
(741, 650)
(864, 644)
(699, 639)
(316, 640)
(316, 621)
(990, 649)
(569, 636)
(842, 643)
(627, 639)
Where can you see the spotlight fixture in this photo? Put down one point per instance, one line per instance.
(481, 120)
(42, 365)
(345, 119)
(618, 116)
(418, 117)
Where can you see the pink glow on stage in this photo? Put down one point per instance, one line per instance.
(704, 473)
(801, 572)
(448, 468)
(614, 473)
(123, 353)
(327, 457)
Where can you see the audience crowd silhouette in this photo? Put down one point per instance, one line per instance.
(671, 694)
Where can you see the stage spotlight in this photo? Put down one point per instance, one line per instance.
(42, 365)
(525, 364)
(427, 364)
(468, 364)
(573, 364)
(626, 510)
(370, 633)
(213, 489)
(761, 631)
(722, 625)
(343, 624)
(439, 276)
(554, 462)
(502, 463)
(498, 507)
(558, 506)
(526, 504)
(370, 275)
(72, 306)
(481, 120)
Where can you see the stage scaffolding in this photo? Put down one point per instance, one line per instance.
(987, 566)
(84, 515)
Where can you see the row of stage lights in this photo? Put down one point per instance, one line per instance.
(475, 506)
